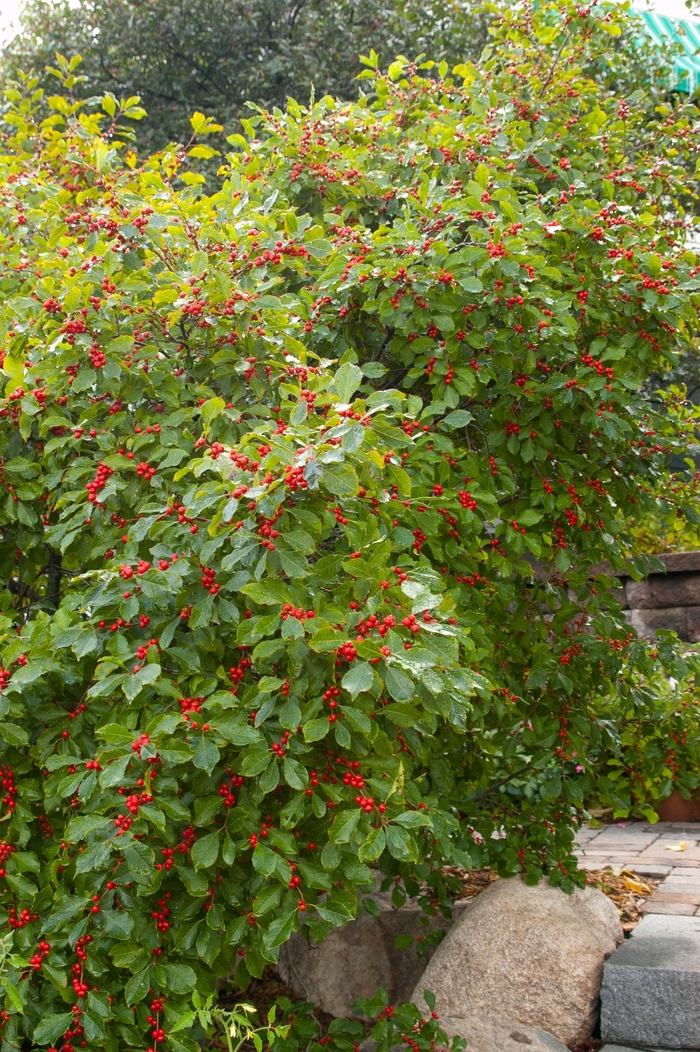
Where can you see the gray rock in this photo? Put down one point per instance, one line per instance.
(531, 954)
(359, 958)
(490, 1034)
(651, 985)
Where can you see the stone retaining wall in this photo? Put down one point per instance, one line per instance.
(670, 600)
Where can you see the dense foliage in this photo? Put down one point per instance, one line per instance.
(310, 484)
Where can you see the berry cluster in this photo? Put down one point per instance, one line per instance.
(102, 475)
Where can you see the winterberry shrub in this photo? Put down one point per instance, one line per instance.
(312, 492)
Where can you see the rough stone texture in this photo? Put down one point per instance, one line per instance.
(491, 1034)
(692, 624)
(638, 593)
(663, 590)
(670, 600)
(532, 954)
(651, 985)
(681, 561)
(672, 619)
(675, 589)
(359, 958)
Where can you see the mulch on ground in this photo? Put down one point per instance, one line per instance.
(627, 890)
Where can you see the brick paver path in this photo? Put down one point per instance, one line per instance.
(667, 851)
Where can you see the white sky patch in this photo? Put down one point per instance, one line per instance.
(669, 8)
(9, 12)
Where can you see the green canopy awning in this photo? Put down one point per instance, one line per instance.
(663, 29)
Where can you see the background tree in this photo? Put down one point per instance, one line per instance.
(215, 55)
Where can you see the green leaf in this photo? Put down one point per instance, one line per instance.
(359, 679)
(113, 774)
(236, 729)
(114, 734)
(314, 730)
(13, 996)
(51, 1027)
(413, 819)
(138, 986)
(335, 913)
(135, 683)
(181, 978)
(340, 479)
(117, 923)
(399, 686)
(93, 857)
(402, 715)
(529, 517)
(346, 381)
(471, 284)
(205, 851)
(401, 844)
(294, 773)
(13, 734)
(94, 1031)
(206, 755)
(264, 860)
(140, 859)
(344, 826)
(64, 910)
(358, 720)
(279, 931)
(372, 847)
(458, 418)
(267, 900)
(79, 827)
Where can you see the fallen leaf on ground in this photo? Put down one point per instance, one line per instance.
(637, 886)
(626, 889)
(678, 847)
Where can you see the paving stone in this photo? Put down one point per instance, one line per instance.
(646, 869)
(680, 887)
(659, 861)
(620, 843)
(588, 863)
(664, 850)
(674, 836)
(684, 873)
(672, 909)
(667, 896)
(613, 863)
(650, 995)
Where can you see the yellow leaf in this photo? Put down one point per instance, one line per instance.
(637, 886)
(678, 847)
(14, 368)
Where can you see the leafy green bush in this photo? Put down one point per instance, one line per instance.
(307, 482)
